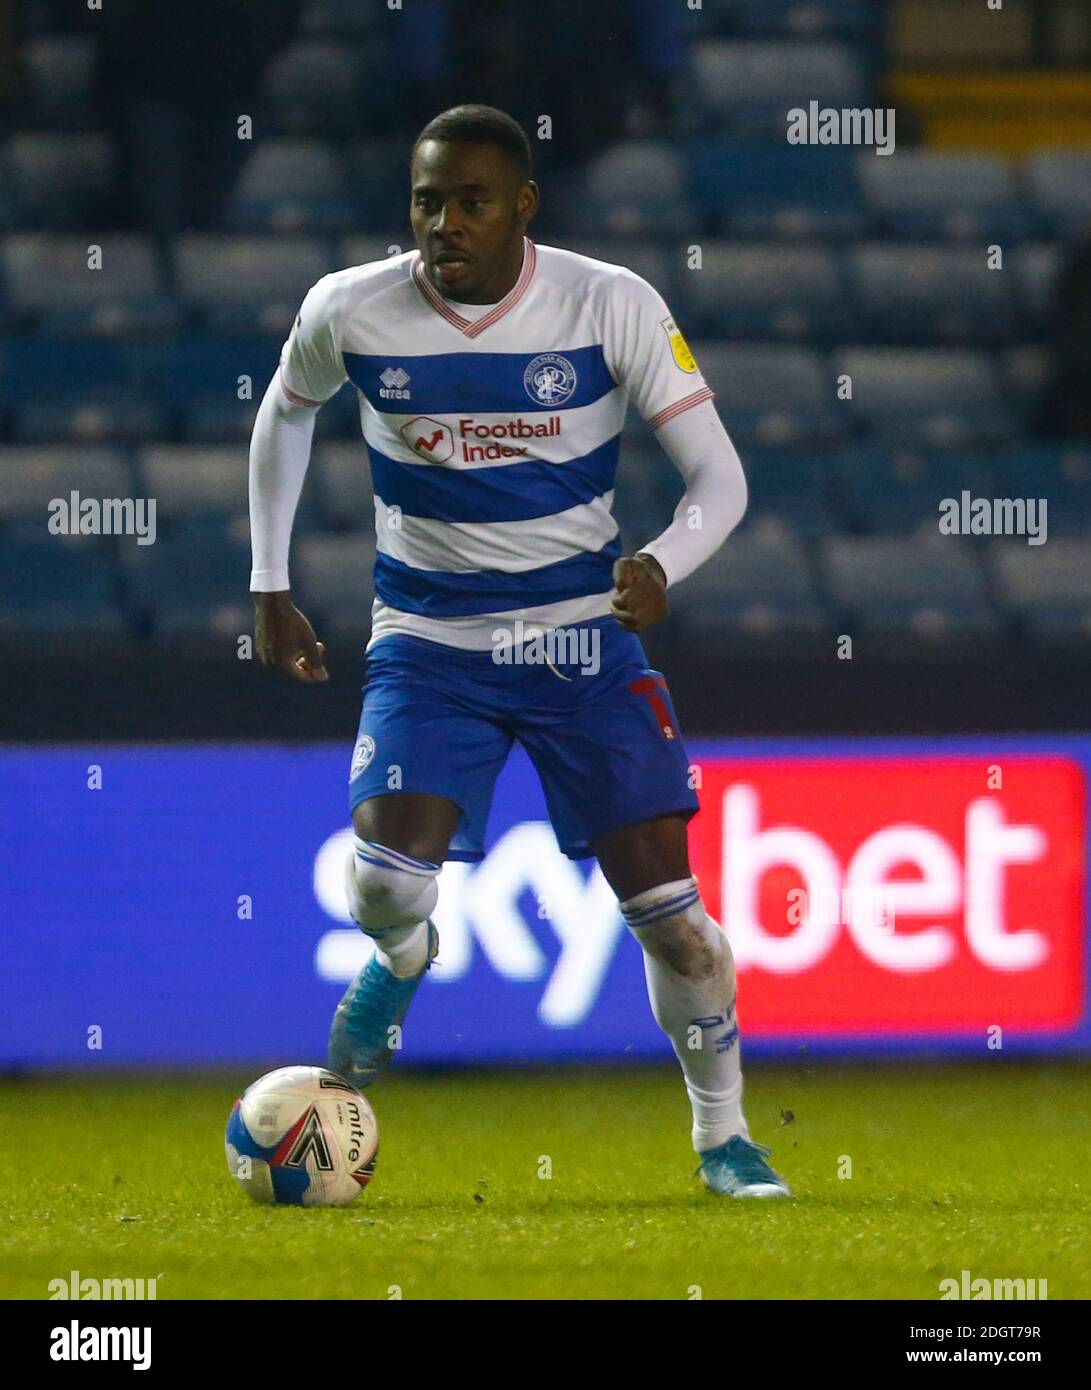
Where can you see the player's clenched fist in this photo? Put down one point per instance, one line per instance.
(285, 639)
(640, 592)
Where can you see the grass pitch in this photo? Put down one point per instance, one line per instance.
(952, 1167)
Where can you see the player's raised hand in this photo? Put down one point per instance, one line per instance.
(285, 639)
(640, 592)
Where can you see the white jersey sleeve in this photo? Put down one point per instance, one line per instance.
(646, 353)
(312, 368)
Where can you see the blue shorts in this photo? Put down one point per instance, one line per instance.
(605, 742)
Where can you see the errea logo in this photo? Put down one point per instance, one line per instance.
(395, 380)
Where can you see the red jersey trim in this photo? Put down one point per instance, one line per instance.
(472, 329)
(706, 393)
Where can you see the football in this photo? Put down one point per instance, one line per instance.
(302, 1136)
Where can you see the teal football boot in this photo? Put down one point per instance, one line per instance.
(738, 1169)
(362, 1040)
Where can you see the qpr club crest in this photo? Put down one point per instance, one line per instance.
(362, 755)
(550, 379)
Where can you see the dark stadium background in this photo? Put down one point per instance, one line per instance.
(119, 129)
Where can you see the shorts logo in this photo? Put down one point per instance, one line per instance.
(395, 380)
(550, 379)
(429, 438)
(683, 358)
(362, 755)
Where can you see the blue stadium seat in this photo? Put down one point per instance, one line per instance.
(746, 88)
(48, 281)
(777, 191)
(334, 577)
(317, 87)
(249, 284)
(56, 585)
(58, 181)
(1058, 472)
(343, 19)
(33, 477)
(803, 19)
(1059, 182)
(636, 188)
(790, 491)
(191, 483)
(58, 78)
(647, 486)
(192, 583)
(1047, 586)
(378, 182)
(932, 295)
(754, 588)
(1037, 266)
(766, 292)
(91, 411)
(942, 399)
(1025, 373)
(199, 370)
(773, 397)
(343, 479)
(941, 193)
(292, 186)
(896, 587)
(654, 261)
(899, 491)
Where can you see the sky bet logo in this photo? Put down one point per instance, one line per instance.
(435, 441)
(395, 380)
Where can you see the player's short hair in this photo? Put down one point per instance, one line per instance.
(484, 125)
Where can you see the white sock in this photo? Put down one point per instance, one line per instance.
(390, 896)
(691, 984)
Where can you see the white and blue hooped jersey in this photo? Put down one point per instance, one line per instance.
(493, 431)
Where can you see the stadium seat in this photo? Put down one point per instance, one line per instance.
(292, 186)
(635, 188)
(1037, 266)
(56, 585)
(789, 492)
(1025, 371)
(1048, 586)
(746, 88)
(343, 481)
(1059, 183)
(59, 181)
(199, 368)
(334, 577)
(766, 292)
(192, 483)
(58, 77)
(803, 19)
(941, 399)
(777, 191)
(34, 477)
(773, 397)
(753, 588)
(317, 87)
(190, 584)
(378, 184)
(249, 284)
(899, 491)
(48, 281)
(1058, 472)
(91, 411)
(932, 294)
(940, 193)
(657, 262)
(895, 587)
